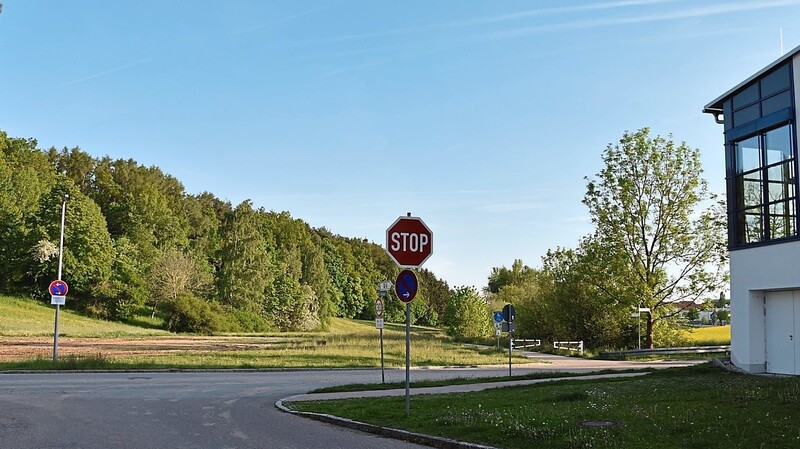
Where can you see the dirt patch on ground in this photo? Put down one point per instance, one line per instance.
(22, 348)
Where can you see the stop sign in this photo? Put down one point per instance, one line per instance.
(409, 241)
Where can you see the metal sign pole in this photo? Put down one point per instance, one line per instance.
(383, 375)
(639, 320)
(408, 359)
(509, 352)
(60, 264)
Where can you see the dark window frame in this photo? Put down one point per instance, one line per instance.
(738, 208)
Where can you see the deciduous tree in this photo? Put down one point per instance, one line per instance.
(651, 204)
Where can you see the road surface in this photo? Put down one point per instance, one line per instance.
(221, 410)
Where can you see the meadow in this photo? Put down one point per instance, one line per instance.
(709, 335)
(26, 329)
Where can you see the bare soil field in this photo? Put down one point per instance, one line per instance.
(22, 348)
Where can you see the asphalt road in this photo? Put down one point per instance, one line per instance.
(178, 410)
(168, 410)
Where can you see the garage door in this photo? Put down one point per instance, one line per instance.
(783, 326)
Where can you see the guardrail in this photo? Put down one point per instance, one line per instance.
(668, 351)
(523, 343)
(569, 346)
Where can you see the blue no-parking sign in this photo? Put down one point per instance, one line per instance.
(498, 316)
(406, 285)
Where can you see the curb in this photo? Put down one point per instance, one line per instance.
(404, 435)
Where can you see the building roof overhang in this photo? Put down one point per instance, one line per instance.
(715, 107)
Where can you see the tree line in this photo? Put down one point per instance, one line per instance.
(136, 242)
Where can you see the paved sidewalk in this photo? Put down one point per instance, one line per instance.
(539, 362)
(446, 389)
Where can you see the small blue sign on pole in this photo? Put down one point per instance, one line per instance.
(498, 316)
(406, 286)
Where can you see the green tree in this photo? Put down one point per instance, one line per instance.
(517, 275)
(586, 295)
(25, 176)
(467, 314)
(650, 204)
(246, 268)
(174, 273)
(88, 249)
(127, 289)
(436, 293)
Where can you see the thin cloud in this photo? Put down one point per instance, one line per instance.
(107, 72)
(634, 20)
(288, 18)
(487, 20)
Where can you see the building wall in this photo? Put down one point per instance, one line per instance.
(796, 71)
(754, 272)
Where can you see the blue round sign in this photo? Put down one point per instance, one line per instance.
(58, 288)
(406, 285)
(498, 317)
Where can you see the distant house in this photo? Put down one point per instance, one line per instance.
(760, 135)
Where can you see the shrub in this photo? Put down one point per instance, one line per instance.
(188, 313)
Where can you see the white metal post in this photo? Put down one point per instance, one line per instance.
(60, 265)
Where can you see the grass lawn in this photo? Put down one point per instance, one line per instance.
(697, 407)
(25, 317)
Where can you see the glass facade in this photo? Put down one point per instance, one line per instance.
(765, 187)
(762, 161)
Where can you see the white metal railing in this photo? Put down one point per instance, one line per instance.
(523, 343)
(569, 346)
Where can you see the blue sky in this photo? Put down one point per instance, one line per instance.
(481, 117)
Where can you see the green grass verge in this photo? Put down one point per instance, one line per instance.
(27, 318)
(696, 407)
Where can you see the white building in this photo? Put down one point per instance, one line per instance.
(760, 120)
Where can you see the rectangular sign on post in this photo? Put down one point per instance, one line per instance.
(58, 300)
(378, 323)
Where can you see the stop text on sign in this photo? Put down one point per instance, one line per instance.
(406, 241)
(409, 241)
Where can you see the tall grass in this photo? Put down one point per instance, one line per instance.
(709, 336)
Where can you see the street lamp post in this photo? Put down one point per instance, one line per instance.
(60, 265)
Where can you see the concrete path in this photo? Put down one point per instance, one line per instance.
(540, 362)
(446, 389)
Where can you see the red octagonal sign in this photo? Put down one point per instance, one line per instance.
(409, 241)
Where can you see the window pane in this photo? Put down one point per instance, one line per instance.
(746, 96)
(775, 81)
(747, 155)
(778, 143)
(776, 103)
(782, 220)
(750, 229)
(781, 182)
(746, 115)
(748, 190)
